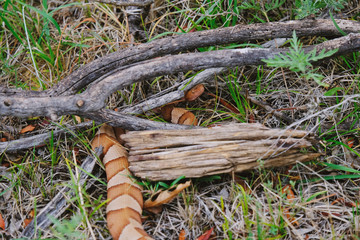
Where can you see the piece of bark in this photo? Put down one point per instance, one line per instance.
(167, 154)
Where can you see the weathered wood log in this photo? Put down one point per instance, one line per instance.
(169, 154)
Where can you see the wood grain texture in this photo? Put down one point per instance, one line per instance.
(125, 204)
(167, 154)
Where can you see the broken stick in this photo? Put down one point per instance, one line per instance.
(168, 154)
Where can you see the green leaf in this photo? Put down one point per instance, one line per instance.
(336, 25)
(333, 91)
(315, 195)
(44, 14)
(341, 168)
(297, 61)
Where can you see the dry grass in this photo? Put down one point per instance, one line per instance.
(248, 205)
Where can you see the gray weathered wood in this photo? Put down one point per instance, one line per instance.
(168, 154)
(185, 42)
(93, 99)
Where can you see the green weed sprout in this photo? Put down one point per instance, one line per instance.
(304, 8)
(67, 229)
(299, 61)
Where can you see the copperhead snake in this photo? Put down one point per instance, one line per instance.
(125, 201)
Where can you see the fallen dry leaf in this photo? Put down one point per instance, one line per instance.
(163, 197)
(289, 193)
(77, 119)
(26, 222)
(155, 210)
(206, 235)
(2, 222)
(242, 183)
(29, 218)
(28, 128)
(343, 201)
(182, 235)
(290, 196)
(350, 142)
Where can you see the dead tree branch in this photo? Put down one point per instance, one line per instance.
(190, 41)
(93, 99)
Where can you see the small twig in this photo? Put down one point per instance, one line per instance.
(270, 110)
(164, 97)
(40, 139)
(129, 122)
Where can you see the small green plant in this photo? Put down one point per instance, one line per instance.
(299, 61)
(156, 186)
(304, 8)
(67, 229)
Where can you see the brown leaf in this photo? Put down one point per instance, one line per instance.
(32, 213)
(26, 222)
(343, 201)
(3, 140)
(290, 196)
(155, 210)
(163, 197)
(29, 218)
(350, 142)
(289, 193)
(206, 235)
(77, 119)
(28, 128)
(2, 222)
(182, 235)
(8, 136)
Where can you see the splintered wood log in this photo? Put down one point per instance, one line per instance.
(168, 154)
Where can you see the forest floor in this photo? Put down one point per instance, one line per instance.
(311, 200)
